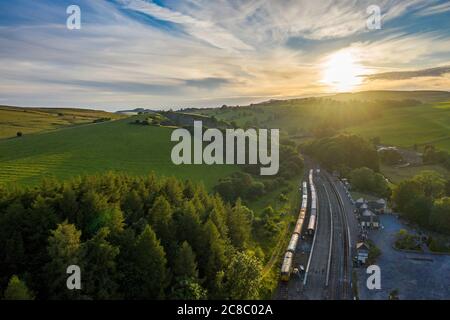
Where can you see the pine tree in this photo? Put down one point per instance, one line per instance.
(68, 205)
(64, 250)
(219, 217)
(185, 265)
(17, 290)
(188, 226)
(92, 205)
(212, 255)
(99, 267)
(186, 284)
(160, 218)
(240, 225)
(173, 191)
(150, 267)
(133, 207)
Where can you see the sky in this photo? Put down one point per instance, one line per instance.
(202, 53)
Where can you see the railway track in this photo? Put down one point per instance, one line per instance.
(328, 269)
(341, 288)
(317, 269)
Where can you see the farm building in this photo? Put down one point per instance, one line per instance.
(362, 252)
(363, 208)
(359, 203)
(378, 206)
(368, 219)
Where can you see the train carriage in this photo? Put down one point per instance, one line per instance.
(288, 260)
(293, 243)
(313, 214)
(286, 267)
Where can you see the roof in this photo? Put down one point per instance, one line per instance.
(360, 200)
(368, 213)
(362, 246)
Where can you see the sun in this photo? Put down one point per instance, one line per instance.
(341, 72)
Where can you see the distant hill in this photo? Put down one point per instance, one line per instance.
(420, 95)
(423, 96)
(135, 111)
(32, 120)
(402, 118)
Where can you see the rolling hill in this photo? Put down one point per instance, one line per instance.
(108, 146)
(418, 124)
(401, 118)
(32, 120)
(425, 96)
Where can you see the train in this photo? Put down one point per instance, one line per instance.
(313, 212)
(288, 261)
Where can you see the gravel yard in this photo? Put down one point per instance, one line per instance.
(414, 275)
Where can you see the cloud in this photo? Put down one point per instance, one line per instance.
(436, 9)
(404, 50)
(201, 29)
(168, 53)
(207, 83)
(401, 75)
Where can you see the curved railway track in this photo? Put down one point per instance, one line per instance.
(341, 288)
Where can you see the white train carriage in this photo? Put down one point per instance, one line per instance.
(312, 218)
(313, 213)
(304, 202)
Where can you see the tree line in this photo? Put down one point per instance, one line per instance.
(367, 181)
(343, 153)
(133, 238)
(425, 200)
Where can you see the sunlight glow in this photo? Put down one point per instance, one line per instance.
(341, 72)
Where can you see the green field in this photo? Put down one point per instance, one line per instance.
(425, 118)
(32, 120)
(406, 126)
(396, 175)
(419, 122)
(109, 146)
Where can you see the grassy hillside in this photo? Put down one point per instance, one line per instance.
(418, 117)
(116, 145)
(397, 118)
(406, 126)
(423, 96)
(32, 120)
(396, 175)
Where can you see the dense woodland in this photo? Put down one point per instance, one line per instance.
(250, 185)
(133, 237)
(368, 181)
(343, 153)
(425, 200)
